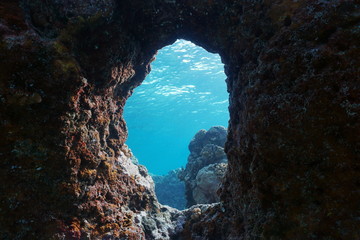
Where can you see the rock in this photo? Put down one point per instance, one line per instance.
(208, 181)
(201, 175)
(162, 222)
(161, 225)
(206, 166)
(170, 190)
(215, 135)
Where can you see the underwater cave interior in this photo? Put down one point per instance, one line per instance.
(292, 73)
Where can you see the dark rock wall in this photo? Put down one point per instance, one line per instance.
(294, 135)
(67, 68)
(63, 87)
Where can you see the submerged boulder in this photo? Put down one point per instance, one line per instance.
(202, 177)
(208, 180)
(207, 164)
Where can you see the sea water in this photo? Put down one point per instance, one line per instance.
(185, 92)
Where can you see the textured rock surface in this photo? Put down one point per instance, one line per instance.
(206, 166)
(208, 181)
(170, 190)
(67, 68)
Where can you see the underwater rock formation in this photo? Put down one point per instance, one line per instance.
(208, 181)
(170, 190)
(206, 166)
(67, 68)
(202, 176)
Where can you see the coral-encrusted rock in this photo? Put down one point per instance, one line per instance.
(67, 68)
(204, 167)
(207, 183)
(215, 135)
(159, 223)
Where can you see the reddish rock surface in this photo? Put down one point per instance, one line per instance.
(67, 68)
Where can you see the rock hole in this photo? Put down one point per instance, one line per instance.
(184, 93)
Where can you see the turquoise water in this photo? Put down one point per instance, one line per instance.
(184, 92)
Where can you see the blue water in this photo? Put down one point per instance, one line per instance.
(184, 92)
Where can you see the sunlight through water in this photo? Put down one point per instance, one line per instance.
(185, 92)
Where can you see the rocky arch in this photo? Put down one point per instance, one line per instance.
(67, 69)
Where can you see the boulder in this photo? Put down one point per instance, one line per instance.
(208, 181)
(206, 166)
